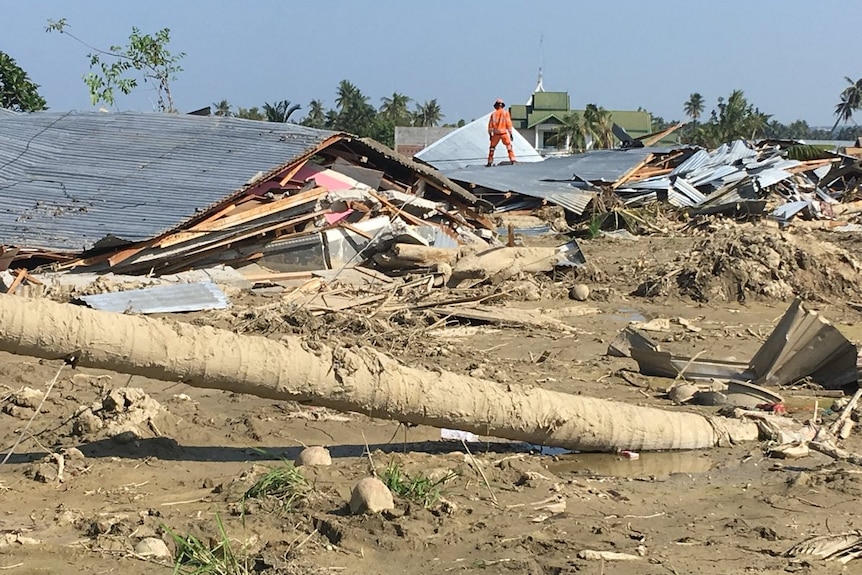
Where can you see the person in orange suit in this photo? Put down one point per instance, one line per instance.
(500, 129)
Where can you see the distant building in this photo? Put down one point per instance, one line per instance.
(409, 140)
(539, 119)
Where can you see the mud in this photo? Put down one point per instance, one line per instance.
(734, 263)
(512, 507)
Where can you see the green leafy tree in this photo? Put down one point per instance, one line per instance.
(252, 113)
(382, 130)
(316, 117)
(222, 108)
(732, 119)
(428, 114)
(17, 92)
(396, 109)
(118, 67)
(280, 111)
(354, 114)
(851, 100)
(571, 130)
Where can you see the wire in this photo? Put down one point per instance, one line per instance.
(30, 141)
(35, 413)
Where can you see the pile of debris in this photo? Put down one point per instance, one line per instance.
(190, 192)
(777, 179)
(733, 262)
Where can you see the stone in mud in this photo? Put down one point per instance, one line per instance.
(152, 547)
(314, 455)
(370, 495)
(579, 292)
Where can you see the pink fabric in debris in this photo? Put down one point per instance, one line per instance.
(331, 217)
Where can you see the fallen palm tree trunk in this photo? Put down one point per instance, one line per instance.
(360, 380)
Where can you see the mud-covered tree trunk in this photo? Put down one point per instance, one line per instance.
(359, 380)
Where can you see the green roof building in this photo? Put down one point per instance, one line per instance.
(538, 119)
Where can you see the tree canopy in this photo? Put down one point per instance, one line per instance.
(354, 113)
(17, 92)
(115, 68)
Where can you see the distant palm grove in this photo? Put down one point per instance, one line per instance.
(353, 113)
(731, 118)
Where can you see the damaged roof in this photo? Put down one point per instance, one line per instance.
(468, 146)
(68, 180)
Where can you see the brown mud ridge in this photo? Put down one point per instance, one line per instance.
(111, 465)
(736, 262)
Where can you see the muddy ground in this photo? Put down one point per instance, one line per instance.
(512, 508)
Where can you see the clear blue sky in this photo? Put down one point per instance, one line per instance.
(789, 56)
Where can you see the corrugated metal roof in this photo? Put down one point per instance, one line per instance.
(161, 299)
(67, 180)
(468, 146)
(591, 166)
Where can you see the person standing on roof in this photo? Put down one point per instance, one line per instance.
(500, 128)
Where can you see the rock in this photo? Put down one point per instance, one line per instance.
(18, 411)
(46, 473)
(27, 397)
(86, 423)
(314, 455)
(579, 292)
(682, 392)
(72, 454)
(370, 495)
(152, 547)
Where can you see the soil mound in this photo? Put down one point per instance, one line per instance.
(735, 262)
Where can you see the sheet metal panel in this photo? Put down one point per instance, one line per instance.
(161, 299)
(68, 180)
(468, 146)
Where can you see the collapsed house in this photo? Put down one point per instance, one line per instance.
(154, 194)
(778, 179)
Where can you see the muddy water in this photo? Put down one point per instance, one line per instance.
(646, 465)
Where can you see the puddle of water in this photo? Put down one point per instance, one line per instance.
(628, 315)
(660, 464)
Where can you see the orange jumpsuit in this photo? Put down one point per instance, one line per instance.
(499, 129)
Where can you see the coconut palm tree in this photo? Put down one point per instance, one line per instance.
(222, 109)
(347, 95)
(280, 111)
(851, 100)
(316, 117)
(428, 114)
(395, 108)
(354, 114)
(694, 108)
(571, 132)
(598, 126)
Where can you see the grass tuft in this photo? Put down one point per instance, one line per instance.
(194, 557)
(284, 486)
(421, 489)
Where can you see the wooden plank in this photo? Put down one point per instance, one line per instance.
(632, 171)
(242, 218)
(17, 281)
(31, 279)
(280, 276)
(650, 173)
(651, 139)
(122, 255)
(355, 230)
(290, 173)
(259, 232)
(410, 218)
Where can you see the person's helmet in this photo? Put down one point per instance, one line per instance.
(499, 103)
